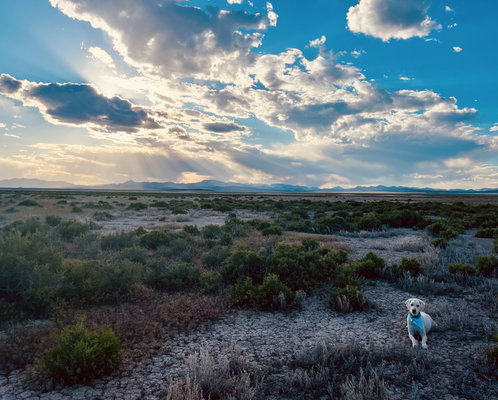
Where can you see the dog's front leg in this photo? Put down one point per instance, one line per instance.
(414, 341)
(424, 342)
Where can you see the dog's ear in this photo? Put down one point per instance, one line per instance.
(422, 302)
(407, 302)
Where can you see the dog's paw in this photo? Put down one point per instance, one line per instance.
(424, 346)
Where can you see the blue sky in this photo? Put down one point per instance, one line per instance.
(322, 93)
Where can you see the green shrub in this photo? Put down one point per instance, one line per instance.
(135, 254)
(262, 297)
(191, 230)
(88, 245)
(347, 276)
(272, 230)
(79, 355)
(440, 242)
(226, 239)
(117, 241)
(369, 222)
(179, 249)
(210, 282)
(30, 226)
(137, 206)
(154, 239)
(53, 220)
(215, 257)
(76, 210)
(487, 265)
(132, 198)
(222, 207)
(71, 229)
(406, 218)
(102, 216)
(173, 277)
(62, 202)
(463, 268)
(263, 225)
(266, 295)
(243, 293)
(349, 298)
(488, 233)
(410, 265)
(370, 266)
(298, 267)
(28, 262)
(29, 203)
(310, 244)
(243, 263)
(332, 224)
(11, 210)
(211, 232)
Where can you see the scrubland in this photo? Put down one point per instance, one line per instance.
(191, 296)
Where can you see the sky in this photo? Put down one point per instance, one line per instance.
(321, 93)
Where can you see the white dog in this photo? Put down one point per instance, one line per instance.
(418, 322)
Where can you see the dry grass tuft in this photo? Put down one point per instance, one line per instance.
(362, 388)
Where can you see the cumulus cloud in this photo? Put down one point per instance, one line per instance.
(170, 40)
(318, 42)
(404, 78)
(494, 128)
(391, 19)
(448, 8)
(457, 49)
(235, 1)
(272, 16)
(78, 104)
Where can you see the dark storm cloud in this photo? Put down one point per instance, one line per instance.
(79, 104)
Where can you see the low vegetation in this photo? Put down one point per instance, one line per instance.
(108, 297)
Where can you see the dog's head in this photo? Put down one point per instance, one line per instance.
(414, 306)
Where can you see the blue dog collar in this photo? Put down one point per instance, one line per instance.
(417, 321)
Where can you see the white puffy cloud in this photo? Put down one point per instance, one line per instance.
(494, 128)
(318, 42)
(404, 78)
(391, 19)
(272, 16)
(235, 1)
(165, 39)
(448, 8)
(457, 49)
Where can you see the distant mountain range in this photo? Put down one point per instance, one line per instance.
(219, 186)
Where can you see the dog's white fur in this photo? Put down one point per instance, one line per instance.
(414, 307)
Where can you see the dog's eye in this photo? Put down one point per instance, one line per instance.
(418, 305)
